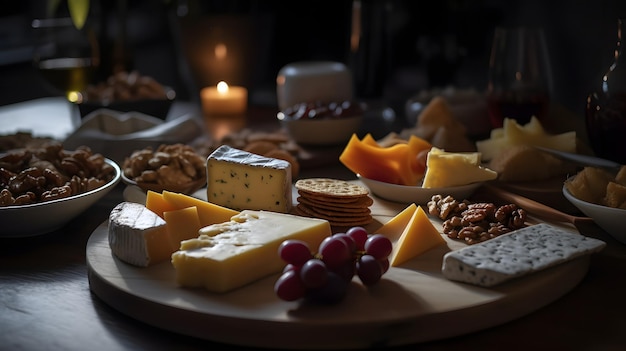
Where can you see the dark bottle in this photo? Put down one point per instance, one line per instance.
(606, 107)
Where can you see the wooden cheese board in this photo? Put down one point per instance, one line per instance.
(413, 303)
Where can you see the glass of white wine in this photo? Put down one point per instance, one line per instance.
(66, 57)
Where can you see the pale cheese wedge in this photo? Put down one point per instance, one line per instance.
(419, 236)
(533, 133)
(229, 255)
(447, 169)
(394, 227)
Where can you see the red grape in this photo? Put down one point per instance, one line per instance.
(359, 235)
(378, 246)
(294, 251)
(314, 273)
(369, 269)
(334, 251)
(289, 286)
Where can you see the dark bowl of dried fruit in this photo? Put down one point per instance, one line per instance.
(128, 92)
(317, 123)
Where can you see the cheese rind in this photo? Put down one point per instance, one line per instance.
(138, 236)
(228, 255)
(242, 180)
(516, 254)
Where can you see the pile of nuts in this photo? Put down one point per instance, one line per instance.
(475, 222)
(49, 172)
(276, 144)
(174, 164)
(124, 86)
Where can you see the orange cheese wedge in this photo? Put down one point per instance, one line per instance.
(182, 224)
(396, 164)
(208, 213)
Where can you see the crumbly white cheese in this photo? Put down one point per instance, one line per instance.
(242, 180)
(516, 254)
(137, 235)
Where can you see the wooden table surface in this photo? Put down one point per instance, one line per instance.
(46, 302)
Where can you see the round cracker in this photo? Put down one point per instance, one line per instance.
(331, 187)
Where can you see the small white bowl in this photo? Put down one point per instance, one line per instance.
(323, 131)
(44, 217)
(416, 194)
(612, 220)
(313, 81)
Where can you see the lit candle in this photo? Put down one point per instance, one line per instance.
(224, 101)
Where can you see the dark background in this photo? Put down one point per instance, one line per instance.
(413, 45)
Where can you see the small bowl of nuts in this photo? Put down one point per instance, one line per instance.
(172, 167)
(601, 195)
(44, 188)
(128, 92)
(319, 123)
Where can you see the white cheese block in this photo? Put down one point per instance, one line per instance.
(516, 254)
(137, 235)
(231, 254)
(242, 180)
(445, 169)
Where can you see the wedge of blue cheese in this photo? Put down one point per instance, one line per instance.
(241, 180)
(516, 254)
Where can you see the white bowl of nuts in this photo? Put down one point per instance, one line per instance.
(172, 167)
(320, 123)
(601, 195)
(49, 193)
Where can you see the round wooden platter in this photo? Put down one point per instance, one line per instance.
(413, 303)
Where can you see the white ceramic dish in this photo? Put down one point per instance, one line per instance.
(45, 217)
(308, 81)
(323, 131)
(612, 220)
(416, 194)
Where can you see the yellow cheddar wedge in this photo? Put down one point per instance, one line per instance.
(182, 224)
(232, 254)
(419, 236)
(209, 213)
(157, 204)
(394, 227)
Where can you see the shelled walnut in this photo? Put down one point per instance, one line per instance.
(168, 165)
(475, 222)
(49, 172)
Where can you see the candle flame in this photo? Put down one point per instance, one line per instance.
(222, 87)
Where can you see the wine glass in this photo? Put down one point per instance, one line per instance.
(520, 76)
(66, 57)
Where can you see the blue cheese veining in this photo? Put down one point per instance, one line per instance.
(245, 181)
(516, 254)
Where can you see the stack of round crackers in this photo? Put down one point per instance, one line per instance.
(341, 203)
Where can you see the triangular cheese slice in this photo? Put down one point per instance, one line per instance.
(394, 227)
(419, 236)
(445, 169)
(182, 224)
(209, 213)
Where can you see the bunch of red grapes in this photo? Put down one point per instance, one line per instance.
(325, 276)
